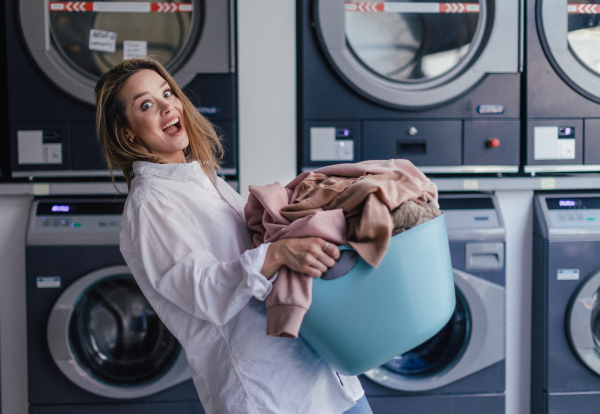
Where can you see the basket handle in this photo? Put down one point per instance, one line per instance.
(346, 262)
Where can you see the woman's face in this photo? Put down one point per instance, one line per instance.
(155, 116)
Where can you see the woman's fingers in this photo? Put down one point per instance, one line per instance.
(310, 255)
(332, 251)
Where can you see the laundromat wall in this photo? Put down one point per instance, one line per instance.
(266, 64)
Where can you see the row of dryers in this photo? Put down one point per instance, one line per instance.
(95, 344)
(438, 83)
(441, 84)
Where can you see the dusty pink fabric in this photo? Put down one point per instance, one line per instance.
(308, 207)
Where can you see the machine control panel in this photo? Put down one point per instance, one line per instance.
(69, 217)
(469, 213)
(75, 222)
(574, 212)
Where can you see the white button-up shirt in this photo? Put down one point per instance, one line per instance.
(187, 248)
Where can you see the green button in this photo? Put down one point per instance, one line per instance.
(590, 218)
(76, 225)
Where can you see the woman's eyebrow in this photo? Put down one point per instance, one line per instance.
(135, 98)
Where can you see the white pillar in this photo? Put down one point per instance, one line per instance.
(266, 67)
(517, 211)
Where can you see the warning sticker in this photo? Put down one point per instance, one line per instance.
(48, 282)
(567, 274)
(103, 41)
(135, 49)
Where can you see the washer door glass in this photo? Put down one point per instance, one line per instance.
(117, 337)
(94, 37)
(439, 352)
(411, 41)
(583, 32)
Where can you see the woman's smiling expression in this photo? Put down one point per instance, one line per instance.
(155, 116)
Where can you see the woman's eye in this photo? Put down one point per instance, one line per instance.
(146, 105)
(168, 93)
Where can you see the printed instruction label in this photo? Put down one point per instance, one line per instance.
(135, 49)
(103, 41)
(32, 150)
(567, 274)
(548, 144)
(48, 282)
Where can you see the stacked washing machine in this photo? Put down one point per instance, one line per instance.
(436, 83)
(95, 345)
(565, 348)
(58, 50)
(563, 86)
(461, 370)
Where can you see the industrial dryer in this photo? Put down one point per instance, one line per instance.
(436, 83)
(562, 91)
(57, 51)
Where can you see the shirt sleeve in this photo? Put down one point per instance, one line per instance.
(180, 265)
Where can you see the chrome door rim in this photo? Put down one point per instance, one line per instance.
(556, 46)
(60, 349)
(418, 95)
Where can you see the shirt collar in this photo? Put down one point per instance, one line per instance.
(174, 171)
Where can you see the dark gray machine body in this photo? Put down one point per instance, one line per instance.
(470, 379)
(565, 377)
(70, 245)
(349, 112)
(563, 91)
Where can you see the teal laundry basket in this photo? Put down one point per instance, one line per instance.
(370, 315)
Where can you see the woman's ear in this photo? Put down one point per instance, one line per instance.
(128, 134)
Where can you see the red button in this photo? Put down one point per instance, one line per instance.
(493, 143)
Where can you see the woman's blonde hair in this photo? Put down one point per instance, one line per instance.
(205, 144)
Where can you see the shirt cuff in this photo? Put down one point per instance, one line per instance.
(252, 262)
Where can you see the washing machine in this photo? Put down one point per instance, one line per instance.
(565, 346)
(436, 83)
(94, 343)
(461, 370)
(563, 86)
(57, 51)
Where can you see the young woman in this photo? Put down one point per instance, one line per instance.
(185, 241)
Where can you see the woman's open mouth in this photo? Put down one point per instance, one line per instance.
(172, 127)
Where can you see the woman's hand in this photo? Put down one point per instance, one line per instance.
(309, 255)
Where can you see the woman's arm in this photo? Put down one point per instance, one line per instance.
(180, 261)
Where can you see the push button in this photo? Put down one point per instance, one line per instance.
(492, 143)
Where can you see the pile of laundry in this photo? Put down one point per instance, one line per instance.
(362, 205)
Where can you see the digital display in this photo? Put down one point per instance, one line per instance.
(342, 133)
(80, 207)
(566, 132)
(579, 203)
(60, 209)
(567, 203)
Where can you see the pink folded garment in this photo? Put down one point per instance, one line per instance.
(344, 203)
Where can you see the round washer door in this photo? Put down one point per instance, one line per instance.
(583, 323)
(74, 43)
(418, 54)
(472, 340)
(569, 32)
(106, 338)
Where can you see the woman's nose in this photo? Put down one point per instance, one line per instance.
(167, 108)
